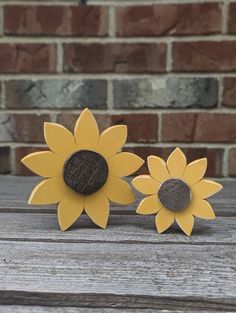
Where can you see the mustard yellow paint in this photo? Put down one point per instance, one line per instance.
(44, 163)
(97, 208)
(86, 131)
(192, 174)
(146, 184)
(195, 171)
(157, 168)
(69, 209)
(149, 205)
(59, 139)
(112, 140)
(205, 189)
(62, 144)
(176, 163)
(164, 219)
(118, 190)
(124, 163)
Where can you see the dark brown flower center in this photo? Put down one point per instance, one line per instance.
(174, 194)
(85, 171)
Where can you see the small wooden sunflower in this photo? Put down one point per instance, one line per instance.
(83, 171)
(176, 191)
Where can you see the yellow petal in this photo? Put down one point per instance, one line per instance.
(146, 184)
(69, 209)
(112, 140)
(205, 188)
(157, 168)
(164, 219)
(124, 164)
(176, 163)
(185, 221)
(86, 131)
(149, 205)
(48, 191)
(44, 163)
(118, 190)
(59, 139)
(97, 208)
(201, 208)
(195, 171)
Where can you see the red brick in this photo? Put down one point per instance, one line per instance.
(204, 56)
(232, 18)
(27, 58)
(170, 19)
(16, 127)
(202, 127)
(19, 152)
(232, 162)
(141, 127)
(115, 57)
(214, 156)
(55, 20)
(229, 93)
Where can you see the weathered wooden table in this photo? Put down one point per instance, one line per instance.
(126, 268)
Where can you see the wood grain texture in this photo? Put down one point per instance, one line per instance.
(117, 275)
(121, 229)
(46, 309)
(126, 268)
(224, 202)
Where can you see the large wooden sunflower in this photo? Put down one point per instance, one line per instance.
(176, 191)
(83, 171)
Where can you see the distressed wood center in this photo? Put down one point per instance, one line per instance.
(174, 194)
(85, 172)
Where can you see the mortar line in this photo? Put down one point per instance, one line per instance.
(117, 76)
(225, 14)
(111, 22)
(199, 145)
(111, 110)
(105, 40)
(225, 162)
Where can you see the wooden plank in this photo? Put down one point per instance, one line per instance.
(116, 275)
(14, 192)
(123, 229)
(47, 309)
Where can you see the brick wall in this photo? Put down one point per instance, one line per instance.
(165, 68)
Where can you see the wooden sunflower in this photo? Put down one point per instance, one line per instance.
(83, 171)
(176, 191)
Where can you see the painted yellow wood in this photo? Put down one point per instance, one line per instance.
(185, 221)
(190, 175)
(146, 184)
(97, 208)
(86, 131)
(69, 209)
(59, 139)
(176, 163)
(124, 163)
(164, 220)
(112, 140)
(44, 163)
(149, 205)
(48, 191)
(195, 171)
(64, 146)
(205, 188)
(118, 190)
(157, 168)
(201, 208)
